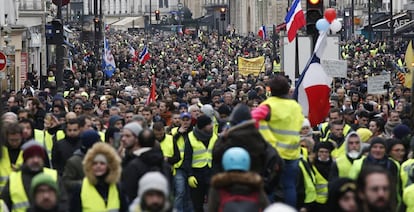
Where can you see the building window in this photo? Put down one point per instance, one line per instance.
(160, 3)
(166, 3)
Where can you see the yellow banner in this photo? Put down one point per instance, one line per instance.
(409, 61)
(251, 66)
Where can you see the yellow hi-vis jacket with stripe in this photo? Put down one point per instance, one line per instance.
(406, 169)
(344, 165)
(408, 197)
(92, 201)
(18, 195)
(167, 147)
(46, 139)
(202, 156)
(6, 167)
(181, 146)
(282, 129)
(321, 186)
(308, 181)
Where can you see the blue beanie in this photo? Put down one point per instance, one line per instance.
(401, 131)
(88, 138)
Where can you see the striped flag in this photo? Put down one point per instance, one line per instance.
(144, 56)
(295, 19)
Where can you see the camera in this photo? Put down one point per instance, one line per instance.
(387, 85)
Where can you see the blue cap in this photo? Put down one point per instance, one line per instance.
(184, 105)
(185, 115)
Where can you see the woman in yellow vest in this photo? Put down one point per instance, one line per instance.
(100, 191)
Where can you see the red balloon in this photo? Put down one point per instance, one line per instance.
(330, 14)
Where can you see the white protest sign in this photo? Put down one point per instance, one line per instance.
(376, 84)
(335, 68)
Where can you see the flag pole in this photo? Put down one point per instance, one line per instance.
(296, 58)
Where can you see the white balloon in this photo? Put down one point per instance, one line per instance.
(335, 26)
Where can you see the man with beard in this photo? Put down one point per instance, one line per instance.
(63, 149)
(129, 141)
(153, 194)
(45, 194)
(16, 192)
(342, 165)
(374, 190)
(321, 167)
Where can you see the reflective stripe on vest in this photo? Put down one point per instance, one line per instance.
(202, 156)
(308, 182)
(321, 187)
(18, 195)
(282, 129)
(92, 201)
(6, 167)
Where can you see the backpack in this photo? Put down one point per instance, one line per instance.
(232, 202)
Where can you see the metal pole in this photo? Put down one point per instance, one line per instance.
(59, 50)
(369, 21)
(150, 14)
(352, 18)
(391, 28)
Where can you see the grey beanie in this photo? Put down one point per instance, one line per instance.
(208, 110)
(153, 181)
(134, 127)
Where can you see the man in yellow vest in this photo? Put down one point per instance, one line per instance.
(334, 115)
(168, 147)
(342, 165)
(337, 138)
(280, 119)
(198, 160)
(321, 167)
(11, 154)
(16, 193)
(182, 200)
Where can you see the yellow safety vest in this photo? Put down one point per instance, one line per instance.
(282, 130)
(344, 165)
(326, 131)
(6, 167)
(338, 151)
(18, 195)
(167, 146)
(321, 186)
(276, 66)
(309, 182)
(408, 196)
(202, 156)
(181, 146)
(92, 201)
(406, 167)
(46, 139)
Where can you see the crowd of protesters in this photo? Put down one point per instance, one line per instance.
(212, 139)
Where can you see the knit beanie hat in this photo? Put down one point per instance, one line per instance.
(34, 150)
(134, 127)
(400, 131)
(203, 121)
(207, 110)
(42, 179)
(240, 113)
(364, 133)
(153, 181)
(377, 140)
(88, 138)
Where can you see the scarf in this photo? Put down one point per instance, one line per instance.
(389, 127)
(202, 136)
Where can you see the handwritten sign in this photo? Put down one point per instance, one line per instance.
(250, 66)
(376, 84)
(335, 68)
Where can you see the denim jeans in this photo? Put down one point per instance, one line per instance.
(182, 201)
(288, 178)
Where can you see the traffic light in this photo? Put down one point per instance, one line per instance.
(314, 12)
(157, 15)
(222, 14)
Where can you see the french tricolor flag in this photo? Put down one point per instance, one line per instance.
(295, 19)
(262, 32)
(313, 87)
(144, 56)
(133, 53)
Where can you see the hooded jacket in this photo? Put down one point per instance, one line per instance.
(334, 171)
(243, 183)
(101, 183)
(145, 159)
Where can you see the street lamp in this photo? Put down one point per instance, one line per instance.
(222, 19)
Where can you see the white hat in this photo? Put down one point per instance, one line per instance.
(153, 181)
